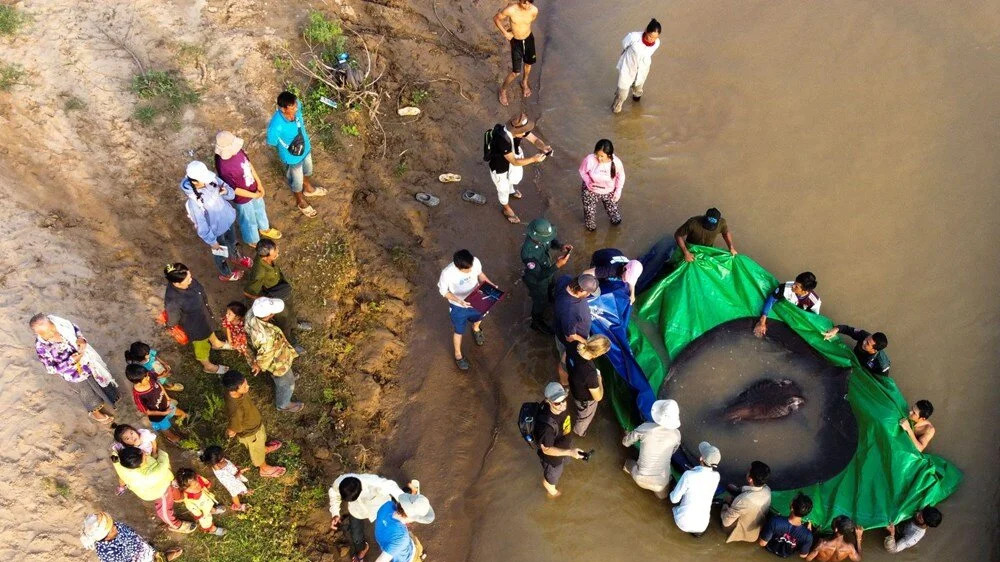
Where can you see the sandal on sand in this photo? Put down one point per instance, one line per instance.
(517, 194)
(272, 446)
(106, 420)
(173, 553)
(308, 211)
(427, 199)
(278, 472)
(479, 337)
(511, 218)
(448, 178)
(473, 197)
(272, 233)
(316, 192)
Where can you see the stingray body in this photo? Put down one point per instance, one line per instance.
(766, 399)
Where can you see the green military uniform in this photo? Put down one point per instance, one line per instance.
(267, 280)
(539, 267)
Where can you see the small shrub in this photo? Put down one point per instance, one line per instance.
(401, 168)
(145, 114)
(11, 20)
(324, 32)
(74, 103)
(190, 53)
(351, 130)
(281, 64)
(418, 96)
(10, 75)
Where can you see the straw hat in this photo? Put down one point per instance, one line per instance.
(227, 145)
(95, 528)
(520, 124)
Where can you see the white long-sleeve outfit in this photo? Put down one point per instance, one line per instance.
(375, 491)
(657, 445)
(633, 63)
(694, 492)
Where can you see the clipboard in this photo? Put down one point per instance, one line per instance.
(484, 296)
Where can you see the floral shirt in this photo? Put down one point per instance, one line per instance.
(127, 546)
(237, 334)
(57, 358)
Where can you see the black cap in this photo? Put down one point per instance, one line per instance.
(712, 218)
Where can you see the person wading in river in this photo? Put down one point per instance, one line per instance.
(522, 43)
(506, 159)
(659, 440)
(633, 64)
(703, 231)
(869, 349)
(603, 177)
(745, 515)
(694, 492)
(799, 293)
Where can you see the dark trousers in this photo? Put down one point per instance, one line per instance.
(356, 532)
(228, 240)
(286, 321)
(541, 296)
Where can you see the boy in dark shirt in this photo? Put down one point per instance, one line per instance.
(784, 536)
(152, 400)
(552, 430)
(869, 349)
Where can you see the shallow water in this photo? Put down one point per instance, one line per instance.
(857, 140)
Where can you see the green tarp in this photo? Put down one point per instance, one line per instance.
(886, 481)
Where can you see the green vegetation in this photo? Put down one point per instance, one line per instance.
(319, 116)
(10, 75)
(11, 20)
(419, 96)
(325, 33)
(190, 53)
(350, 130)
(58, 488)
(74, 103)
(165, 93)
(403, 259)
(401, 168)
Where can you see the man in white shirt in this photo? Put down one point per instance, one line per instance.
(695, 490)
(659, 440)
(913, 530)
(457, 281)
(364, 494)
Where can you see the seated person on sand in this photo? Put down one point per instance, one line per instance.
(845, 544)
(916, 425)
(799, 293)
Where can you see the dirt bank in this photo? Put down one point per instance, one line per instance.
(89, 193)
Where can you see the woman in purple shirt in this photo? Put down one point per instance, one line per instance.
(233, 166)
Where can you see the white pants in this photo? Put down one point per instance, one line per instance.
(507, 182)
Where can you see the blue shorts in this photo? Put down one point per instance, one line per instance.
(295, 174)
(163, 424)
(460, 316)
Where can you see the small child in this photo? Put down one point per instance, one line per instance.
(140, 353)
(152, 400)
(199, 501)
(128, 436)
(229, 475)
(236, 335)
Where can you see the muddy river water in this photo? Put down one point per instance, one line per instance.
(857, 140)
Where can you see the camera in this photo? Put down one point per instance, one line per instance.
(585, 456)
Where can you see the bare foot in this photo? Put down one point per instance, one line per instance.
(525, 89)
(503, 97)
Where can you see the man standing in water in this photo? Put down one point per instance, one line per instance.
(633, 64)
(799, 293)
(522, 43)
(703, 231)
(870, 349)
(916, 425)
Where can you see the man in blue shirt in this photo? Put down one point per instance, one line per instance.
(391, 534)
(785, 536)
(287, 133)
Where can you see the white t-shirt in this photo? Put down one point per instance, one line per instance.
(694, 491)
(457, 282)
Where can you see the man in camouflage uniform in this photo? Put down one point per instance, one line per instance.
(539, 268)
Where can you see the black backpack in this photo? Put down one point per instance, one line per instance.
(488, 136)
(526, 418)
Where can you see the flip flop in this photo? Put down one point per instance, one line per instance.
(448, 178)
(473, 197)
(107, 420)
(427, 199)
(308, 211)
(272, 445)
(278, 472)
(511, 218)
(316, 192)
(173, 387)
(408, 111)
(517, 194)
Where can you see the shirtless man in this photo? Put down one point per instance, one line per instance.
(845, 544)
(920, 430)
(522, 43)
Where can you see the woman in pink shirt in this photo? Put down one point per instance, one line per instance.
(603, 178)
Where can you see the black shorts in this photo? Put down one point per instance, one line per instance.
(551, 469)
(522, 51)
